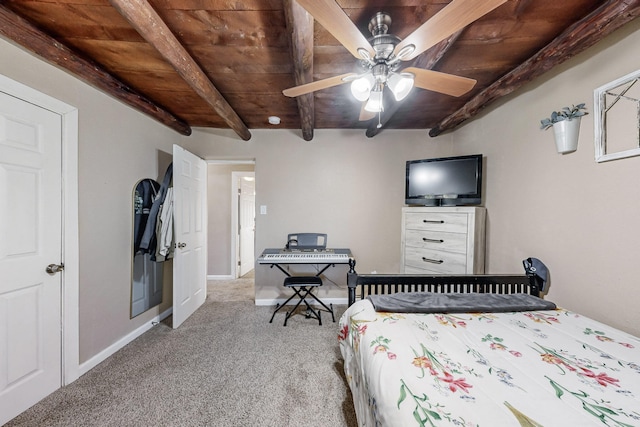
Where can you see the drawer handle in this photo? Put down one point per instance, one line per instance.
(424, 239)
(433, 261)
(432, 221)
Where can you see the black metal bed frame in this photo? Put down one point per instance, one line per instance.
(377, 284)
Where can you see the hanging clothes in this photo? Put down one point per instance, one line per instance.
(144, 194)
(164, 229)
(148, 242)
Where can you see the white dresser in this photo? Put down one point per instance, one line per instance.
(443, 240)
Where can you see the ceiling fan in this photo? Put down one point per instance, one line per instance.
(381, 55)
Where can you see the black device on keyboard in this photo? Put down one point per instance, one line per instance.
(306, 241)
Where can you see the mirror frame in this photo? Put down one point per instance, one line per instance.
(142, 261)
(600, 128)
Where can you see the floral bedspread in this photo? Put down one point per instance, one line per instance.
(535, 368)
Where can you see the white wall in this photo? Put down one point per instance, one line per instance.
(341, 183)
(117, 147)
(580, 217)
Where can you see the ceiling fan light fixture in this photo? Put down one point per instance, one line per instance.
(361, 87)
(400, 84)
(374, 104)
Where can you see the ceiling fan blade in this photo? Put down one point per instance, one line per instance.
(331, 16)
(436, 81)
(318, 85)
(453, 17)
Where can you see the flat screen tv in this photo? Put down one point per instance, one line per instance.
(445, 181)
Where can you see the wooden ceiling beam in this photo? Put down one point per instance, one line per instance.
(16, 28)
(427, 61)
(300, 26)
(583, 34)
(155, 31)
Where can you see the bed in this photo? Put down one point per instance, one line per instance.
(517, 365)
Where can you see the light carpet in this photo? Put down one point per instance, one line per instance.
(225, 366)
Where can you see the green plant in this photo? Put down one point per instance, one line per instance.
(567, 113)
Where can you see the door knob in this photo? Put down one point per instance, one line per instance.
(182, 245)
(54, 268)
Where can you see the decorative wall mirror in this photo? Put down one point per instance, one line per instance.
(146, 275)
(617, 118)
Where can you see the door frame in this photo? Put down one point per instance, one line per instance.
(70, 237)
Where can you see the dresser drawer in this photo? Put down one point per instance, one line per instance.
(434, 261)
(434, 221)
(437, 240)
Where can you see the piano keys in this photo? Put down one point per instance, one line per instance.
(304, 258)
(284, 256)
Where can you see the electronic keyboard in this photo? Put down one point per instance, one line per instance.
(297, 257)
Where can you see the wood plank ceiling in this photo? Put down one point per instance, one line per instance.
(224, 63)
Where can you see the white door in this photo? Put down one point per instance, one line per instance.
(30, 239)
(247, 220)
(190, 225)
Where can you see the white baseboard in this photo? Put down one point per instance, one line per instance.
(327, 301)
(220, 277)
(104, 354)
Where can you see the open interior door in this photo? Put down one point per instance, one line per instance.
(247, 220)
(190, 224)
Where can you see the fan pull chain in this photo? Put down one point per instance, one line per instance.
(379, 124)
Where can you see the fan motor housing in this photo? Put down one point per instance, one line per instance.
(382, 42)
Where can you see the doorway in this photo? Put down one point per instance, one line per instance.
(226, 253)
(245, 219)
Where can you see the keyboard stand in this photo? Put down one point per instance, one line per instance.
(303, 286)
(279, 267)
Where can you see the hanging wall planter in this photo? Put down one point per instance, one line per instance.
(566, 134)
(566, 127)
